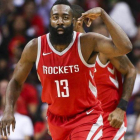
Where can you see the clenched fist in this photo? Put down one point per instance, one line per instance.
(116, 118)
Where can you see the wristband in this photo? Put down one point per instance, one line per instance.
(123, 104)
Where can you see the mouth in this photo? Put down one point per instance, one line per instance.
(60, 30)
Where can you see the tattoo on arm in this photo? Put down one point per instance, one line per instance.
(128, 87)
(125, 67)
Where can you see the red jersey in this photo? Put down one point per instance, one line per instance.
(109, 85)
(67, 80)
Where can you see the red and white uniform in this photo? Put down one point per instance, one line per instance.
(69, 90)
(109, 86)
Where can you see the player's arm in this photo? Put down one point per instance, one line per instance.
(117, 46)
(20, 74)
(126, 68)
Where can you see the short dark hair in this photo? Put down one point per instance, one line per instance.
(65, 2)
(77, 11)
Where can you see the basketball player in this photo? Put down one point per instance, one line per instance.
(113, 95)
(66, 75)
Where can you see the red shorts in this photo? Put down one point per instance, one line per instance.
(111, 133)
(84, 126)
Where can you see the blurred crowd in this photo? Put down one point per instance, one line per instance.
(23, 20)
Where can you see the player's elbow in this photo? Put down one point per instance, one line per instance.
(128, 47)
(132, 72)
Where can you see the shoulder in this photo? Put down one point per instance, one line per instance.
(32, 44)
(87, 37)
(92, 38)
(30, 50)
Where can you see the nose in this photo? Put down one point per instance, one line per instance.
(60, 21)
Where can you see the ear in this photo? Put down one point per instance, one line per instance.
(88, 22)
(79, 24)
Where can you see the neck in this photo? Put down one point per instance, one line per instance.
(60, 48)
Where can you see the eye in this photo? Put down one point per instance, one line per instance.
(55, 17)
(66, 17)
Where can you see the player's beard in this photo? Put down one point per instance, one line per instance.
(61, 39)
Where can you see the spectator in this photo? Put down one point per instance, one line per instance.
(101, 29)
(17, 53)
(24, 128)
(122, 14)
(4, 68)
(137, 128)
(44, 7)
(137, 81)
(18, 38)
(20, 133)
(136, 90)
(1, 105)
(28, 101)
(41, 127)
(93, 3)
(131, 119)
(3, 86)
(36, 23)
(21, 20)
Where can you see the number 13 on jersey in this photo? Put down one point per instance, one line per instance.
(64, 84)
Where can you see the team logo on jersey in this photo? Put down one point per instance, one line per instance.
(46, 53)
(60, 69)
(88, 112)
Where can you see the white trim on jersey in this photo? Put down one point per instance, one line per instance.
(93, 89)
(80, 54)
(120, 132)
(94, 129)
(99, 135)
(92, 76)
(100, 63)
(64, 51)
(114, 81)
(38, 51)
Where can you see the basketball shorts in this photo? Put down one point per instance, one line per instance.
(111, 133)
(84, 126)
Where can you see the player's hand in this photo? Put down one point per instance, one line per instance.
(91, 15)
(7, 120)
(116, 118)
